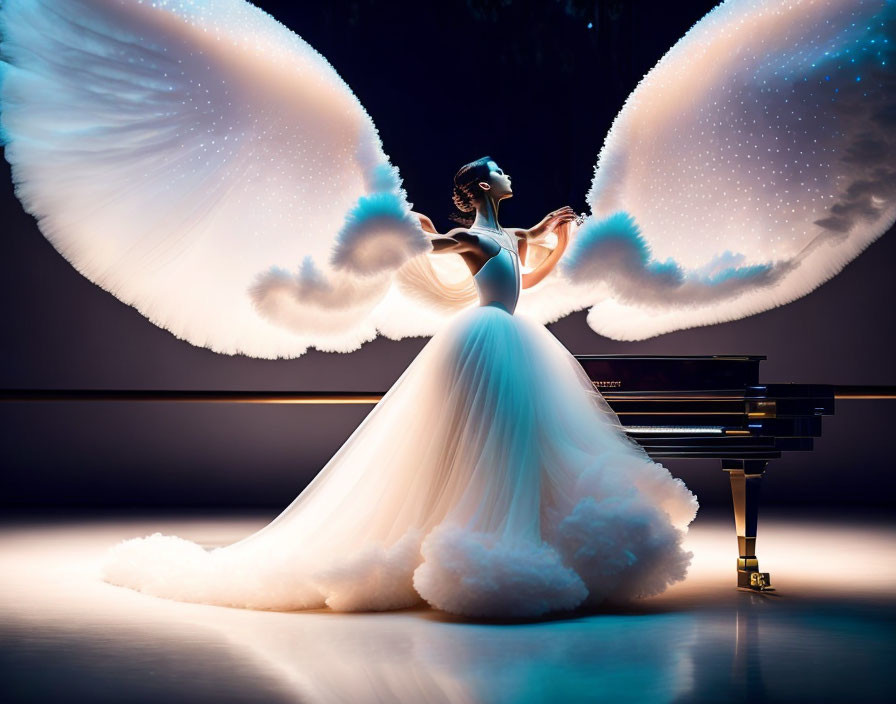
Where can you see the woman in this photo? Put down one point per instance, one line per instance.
(491, 480)
(480, 186)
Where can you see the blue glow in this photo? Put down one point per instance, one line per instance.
(378, 234)
(616, 243)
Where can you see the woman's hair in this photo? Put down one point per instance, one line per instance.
(466, 188)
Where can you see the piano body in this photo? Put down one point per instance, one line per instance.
(714, 407)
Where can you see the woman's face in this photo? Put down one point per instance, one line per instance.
(499, 182)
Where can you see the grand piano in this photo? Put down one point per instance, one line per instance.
(676, 407)
(714, 407)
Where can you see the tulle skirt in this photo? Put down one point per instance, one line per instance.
(491, 480)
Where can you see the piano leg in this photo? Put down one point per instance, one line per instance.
(745, 476)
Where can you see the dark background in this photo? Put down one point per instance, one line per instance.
(446, 82)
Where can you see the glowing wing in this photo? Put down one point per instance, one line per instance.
(178, 154)
(748, 167)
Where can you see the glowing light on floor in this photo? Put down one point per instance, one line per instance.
(700, 640)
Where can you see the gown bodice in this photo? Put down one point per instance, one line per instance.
(498, 281)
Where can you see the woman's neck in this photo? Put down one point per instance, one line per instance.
(487, 215)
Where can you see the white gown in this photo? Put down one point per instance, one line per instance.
(491, 480)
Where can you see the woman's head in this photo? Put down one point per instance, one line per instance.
(478, 178)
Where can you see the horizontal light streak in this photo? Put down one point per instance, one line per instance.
(362, 397)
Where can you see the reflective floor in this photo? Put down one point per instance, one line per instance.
(827, 634)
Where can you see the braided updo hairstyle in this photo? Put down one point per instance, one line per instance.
(467, 190)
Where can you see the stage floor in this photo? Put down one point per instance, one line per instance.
(827, 634)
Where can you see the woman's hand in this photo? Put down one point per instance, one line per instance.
(425, 223)
(558, 222)
(552, 221)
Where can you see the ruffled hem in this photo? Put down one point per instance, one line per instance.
(612, 550)
(476, 574)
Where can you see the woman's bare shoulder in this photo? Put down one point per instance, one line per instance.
(458, 240)
(462, 234)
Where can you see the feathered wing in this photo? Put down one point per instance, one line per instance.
(180, 155)
(749, 166)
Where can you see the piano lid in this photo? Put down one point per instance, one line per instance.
(623, 372)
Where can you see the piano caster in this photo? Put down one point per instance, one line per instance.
(750, 581)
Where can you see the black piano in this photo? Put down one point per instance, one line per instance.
(714, 407)
(676, 407)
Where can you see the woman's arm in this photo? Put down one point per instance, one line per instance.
(546, 266)
(549, 223)
(457, 240)
(558, 222)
